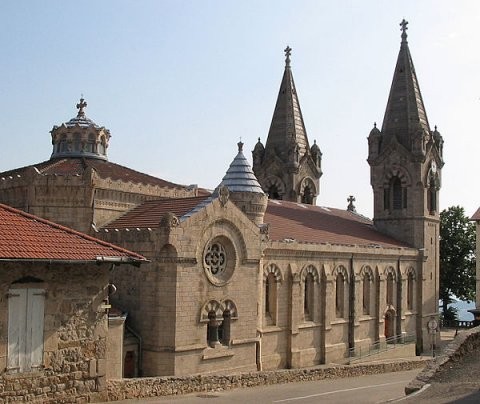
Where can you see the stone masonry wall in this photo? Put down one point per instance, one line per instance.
(75, 333)
(163, 386)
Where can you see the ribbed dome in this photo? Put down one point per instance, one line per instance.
(240, 176)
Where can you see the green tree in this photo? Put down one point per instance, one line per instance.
(457, 256)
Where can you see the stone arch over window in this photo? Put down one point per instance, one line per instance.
(307, 191)
(309, 277)
(368, 289)
(411, 280)
(91, 143)
(274, 187)
(395, 189)
(272, 277)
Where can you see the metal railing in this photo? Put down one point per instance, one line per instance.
(456, 324)
(377, 347)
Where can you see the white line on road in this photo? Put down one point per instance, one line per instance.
(340, 391)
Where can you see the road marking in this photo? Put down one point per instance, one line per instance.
(340, 391)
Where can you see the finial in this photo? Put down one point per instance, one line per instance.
(435, 128)
(80, 106)
(404, 28)
(240, 146)
(374, 124)
(351, 206)
(288, 52)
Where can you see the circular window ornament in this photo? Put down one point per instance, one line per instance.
(219, 261)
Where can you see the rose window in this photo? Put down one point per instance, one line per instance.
(216, 259)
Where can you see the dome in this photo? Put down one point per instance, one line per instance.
(80, 137)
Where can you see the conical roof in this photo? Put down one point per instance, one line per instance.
(405, 115)
(240, 176)
(287, 127)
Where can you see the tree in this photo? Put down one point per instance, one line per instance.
(457, 256)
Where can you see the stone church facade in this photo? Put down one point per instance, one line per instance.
(255, 275)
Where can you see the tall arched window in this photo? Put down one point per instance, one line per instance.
(366, 294)
(397, 193)
(307, 196)
(308, 297)
(340, 296)
(271, 299)
(390, 289)
(410, 291)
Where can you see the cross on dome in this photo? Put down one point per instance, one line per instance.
(80, 106)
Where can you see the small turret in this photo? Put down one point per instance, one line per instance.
(243, 188)
(374, 142)
(316, 154)
(258, 154)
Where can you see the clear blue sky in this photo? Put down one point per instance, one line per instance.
(179, 82)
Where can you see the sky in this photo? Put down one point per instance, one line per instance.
(179, 83)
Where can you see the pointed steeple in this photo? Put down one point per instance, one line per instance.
(405, 116)
(287, 135)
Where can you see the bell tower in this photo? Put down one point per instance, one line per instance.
(287, 167)
(406, 160)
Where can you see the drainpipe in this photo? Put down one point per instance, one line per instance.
(351, 309)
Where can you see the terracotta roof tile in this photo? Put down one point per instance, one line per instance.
(105, 169)
(27, 237)
(315, 224)
(149, 213)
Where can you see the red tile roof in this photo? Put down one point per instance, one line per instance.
(476, 215)
(105, 169)
(27, 237)
(315, 224)
(149, 213)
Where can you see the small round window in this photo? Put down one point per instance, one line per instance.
(219, 261)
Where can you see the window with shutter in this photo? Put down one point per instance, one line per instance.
(25, 329)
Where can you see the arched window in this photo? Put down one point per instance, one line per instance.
(273, 192)
(390, 289)
(366, 294)
(397, 193)
(271, 299)
(91, 143)
(307, 196)
(308, 297)
(340, 296)
(76, 142)
(410, 291)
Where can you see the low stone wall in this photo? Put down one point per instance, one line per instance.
(462, 344)
(163, 386)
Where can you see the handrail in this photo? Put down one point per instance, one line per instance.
(379, 346)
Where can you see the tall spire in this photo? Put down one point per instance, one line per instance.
(287, 135)
(405, 116)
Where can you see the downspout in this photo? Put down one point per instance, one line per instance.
(398, 330)
(351, 308)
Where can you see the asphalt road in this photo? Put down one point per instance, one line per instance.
(369, 389)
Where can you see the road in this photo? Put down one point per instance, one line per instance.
(359, 390)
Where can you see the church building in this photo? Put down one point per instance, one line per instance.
(255, 275)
